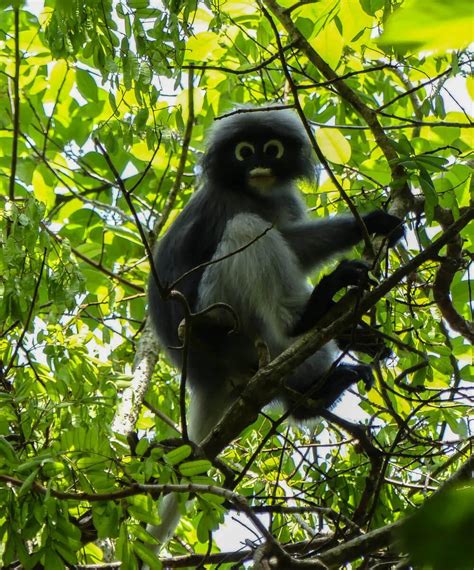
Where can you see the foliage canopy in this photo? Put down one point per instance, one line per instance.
(103, 112)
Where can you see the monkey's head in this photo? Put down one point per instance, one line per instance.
(258, 152)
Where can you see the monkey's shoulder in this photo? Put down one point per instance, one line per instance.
(193, 237)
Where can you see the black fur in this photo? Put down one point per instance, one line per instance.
(265, 283)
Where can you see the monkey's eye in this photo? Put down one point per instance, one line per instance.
(274, 148)
(244, 150)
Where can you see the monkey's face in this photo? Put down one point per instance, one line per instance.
(258, 165)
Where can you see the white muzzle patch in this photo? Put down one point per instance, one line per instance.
(261, 178)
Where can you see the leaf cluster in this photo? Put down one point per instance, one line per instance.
(104, 108)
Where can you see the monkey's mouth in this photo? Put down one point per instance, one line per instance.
(261, 178)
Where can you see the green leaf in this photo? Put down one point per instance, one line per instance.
(196, 467)
(431, 198)
(430, 25)
(432, 163)
(329, 43)
(470, 86)
(146, 555)
(138, 4)
(333, 145)
(372, 6)
(442, 542)
(467, 373)
(200, 46)
(86, 85)
(7, 453)
(28, 482)
(142, 446)
(52, 560)
(42, 187)
(178, 455)
(143, 508)
(106, 518)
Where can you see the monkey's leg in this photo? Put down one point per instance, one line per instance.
(346, 273)
(337, 381)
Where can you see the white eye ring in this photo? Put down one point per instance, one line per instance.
(242, 146)
(274, 143)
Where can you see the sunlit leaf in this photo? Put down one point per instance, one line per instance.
(86, 85)
(470, 85)
(430, 25)
(334, 145)
(329, 43)
(354, 20)
(202, 45)
(42, 190)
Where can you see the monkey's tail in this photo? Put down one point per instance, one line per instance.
(200, 424)
(169, 515)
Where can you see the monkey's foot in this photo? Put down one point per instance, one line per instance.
(342, 378)
(351, 272)
(336, 383)
(347, 273)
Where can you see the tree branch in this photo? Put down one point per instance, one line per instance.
(265, 385)
(450, 264)
(401, 192)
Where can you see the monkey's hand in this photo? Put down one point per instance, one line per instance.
(219, 319)
(351, 272)
(383, 224)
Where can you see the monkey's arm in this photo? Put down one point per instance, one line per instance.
(318, 240)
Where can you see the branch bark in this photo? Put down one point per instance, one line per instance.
(148, 348)
(145, 360)
(448, 268)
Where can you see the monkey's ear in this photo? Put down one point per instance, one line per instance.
(383, 224)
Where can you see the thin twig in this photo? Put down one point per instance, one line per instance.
(30, 313)
(16, 105)
(170, 202)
